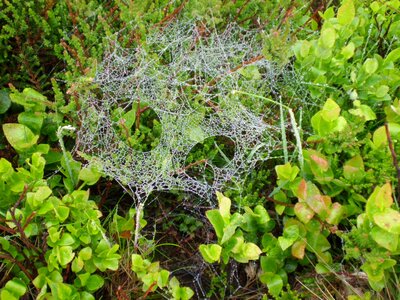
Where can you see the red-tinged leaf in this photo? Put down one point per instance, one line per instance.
(384, 238)
(320, 161)
(380, 199)
(320, 204)
(298, 249)
(302, 190)
(354, 168)
(126, 234)
(389, 220)
(336, 214)
(303, 212)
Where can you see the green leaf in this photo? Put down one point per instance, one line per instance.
(77, 264)
(20, 137)
(348, 50)
(14, 289)
(371, 65)
(322, 268)
(250, 72)
(215, 218)
(363, 111)
(138, 263)
(389, 220)
(85, 253)
(162, 280)
(54, 234)
(274, 283)
(287, 172)
(319, 204)
(30, 99)
(230, 229)
(305, 48)
(33, 120)
(248, 251)
(64, 255)
(393, 56)
(7, 295)
(211, 253)
(224, 204)
(36, 199)
(62, 212)
(90, 174)
(66, 240)
(94, 282)
(182, 293)
(270, 264)
(353, 169)
(328, 37)
(290, 235)
(382, 91)
(5, 102)
(346, 12)
(384, 238)
(317, 243)
(379, 137)
(380, 199)
(130, 116)
(331, 110)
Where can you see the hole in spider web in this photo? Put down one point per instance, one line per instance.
(203, 158)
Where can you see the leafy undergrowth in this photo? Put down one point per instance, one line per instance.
(318, 219)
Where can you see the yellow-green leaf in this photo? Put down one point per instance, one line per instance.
(346, 12)
(389, 220)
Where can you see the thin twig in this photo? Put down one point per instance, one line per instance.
(172, 15)
(394, 157)
(279, 202)
(149, 290)
(19, 264)
(201, 161)
(240, 10)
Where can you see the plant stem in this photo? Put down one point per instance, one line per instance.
(64, 151)
(137, 225)
(395, 161)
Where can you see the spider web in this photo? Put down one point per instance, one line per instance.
(185, 74)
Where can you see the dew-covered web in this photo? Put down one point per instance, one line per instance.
(186, 74)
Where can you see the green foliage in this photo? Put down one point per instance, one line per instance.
(48, 234)
(231, 240)
(154, 277)
(376, 237)
(356, 54)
